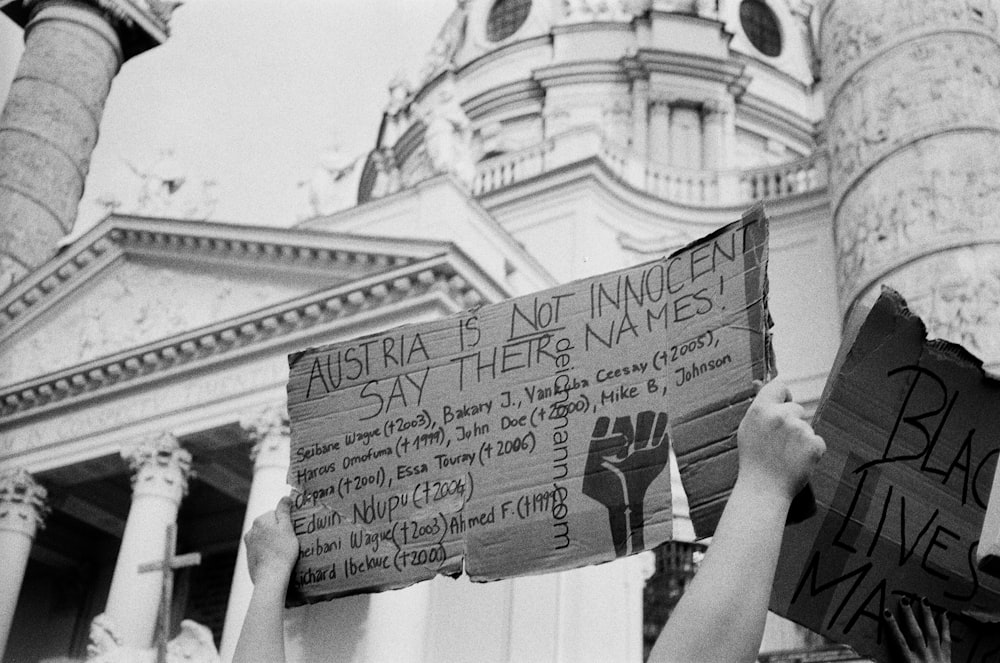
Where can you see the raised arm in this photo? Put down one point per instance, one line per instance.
(271, 553)
(720, 618)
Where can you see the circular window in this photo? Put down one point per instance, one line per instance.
(761, 27)
(506, 17)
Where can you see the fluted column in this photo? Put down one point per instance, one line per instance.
(22, 512)
(49, 125)
(269, 432)
(913, 94)
(160, 471)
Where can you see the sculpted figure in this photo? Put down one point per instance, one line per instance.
(194, 644)
(449, 137)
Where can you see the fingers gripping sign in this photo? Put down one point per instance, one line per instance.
(623, 461)
(777, 446)
(923, 640)
(271, 544)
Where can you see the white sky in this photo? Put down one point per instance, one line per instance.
(251, 92)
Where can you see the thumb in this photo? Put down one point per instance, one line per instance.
(282, 512)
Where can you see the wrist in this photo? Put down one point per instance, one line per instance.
(764, 491)
(275, 573)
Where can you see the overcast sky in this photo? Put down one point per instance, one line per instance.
(251, 92)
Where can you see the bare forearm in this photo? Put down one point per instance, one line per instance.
(720, 618)
(262, 637)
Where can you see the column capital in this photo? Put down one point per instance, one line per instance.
(160, 466)
(23, 506)
(269, 431)
(139, 24)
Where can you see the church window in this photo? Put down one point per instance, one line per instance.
(506, 17)
(761, 27)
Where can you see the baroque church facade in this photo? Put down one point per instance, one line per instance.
(143, 365)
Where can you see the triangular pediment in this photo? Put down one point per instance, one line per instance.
(133, 282)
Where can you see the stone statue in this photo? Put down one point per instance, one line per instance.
(396, 110)
(449, 137)
(449, 39)
(163, 189)
(194, 644)
(389, 178)
(329, 188)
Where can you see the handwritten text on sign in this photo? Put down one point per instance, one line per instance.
(912, 442)
(526, 436)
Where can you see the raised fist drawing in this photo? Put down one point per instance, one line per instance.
(621, 464)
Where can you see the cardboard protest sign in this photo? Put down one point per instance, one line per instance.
(913, 434)
(527, 436)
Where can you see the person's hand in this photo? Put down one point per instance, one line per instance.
(271, 544)
(930, 643)
(777, 447)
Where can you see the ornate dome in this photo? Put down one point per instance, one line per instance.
(674, 86)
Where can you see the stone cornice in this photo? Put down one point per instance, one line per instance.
(251, 331)
(731, 74)
(607, 71)
(290, 249)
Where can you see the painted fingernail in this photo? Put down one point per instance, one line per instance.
(905, 602)
(887, 614)
(925, 602)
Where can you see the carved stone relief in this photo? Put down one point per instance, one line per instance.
(957, 294)
(134, 305)
(854, 30)
(883, 109)
(943, 190)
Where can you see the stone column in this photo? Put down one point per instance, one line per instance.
(49, 125)
(913, 94)
(160, 471)
(713, 136)
(640, 118)
(268, 430)
(22, 511)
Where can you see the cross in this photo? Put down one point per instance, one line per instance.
(168, 565)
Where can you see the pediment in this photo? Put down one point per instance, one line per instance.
(137, 282)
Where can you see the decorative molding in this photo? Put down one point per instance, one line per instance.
(270, 432)
(256, 328)
(159, 466)
(23, 502)
(138, 240)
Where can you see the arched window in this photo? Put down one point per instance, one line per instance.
(506, 17)
(761, 27)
